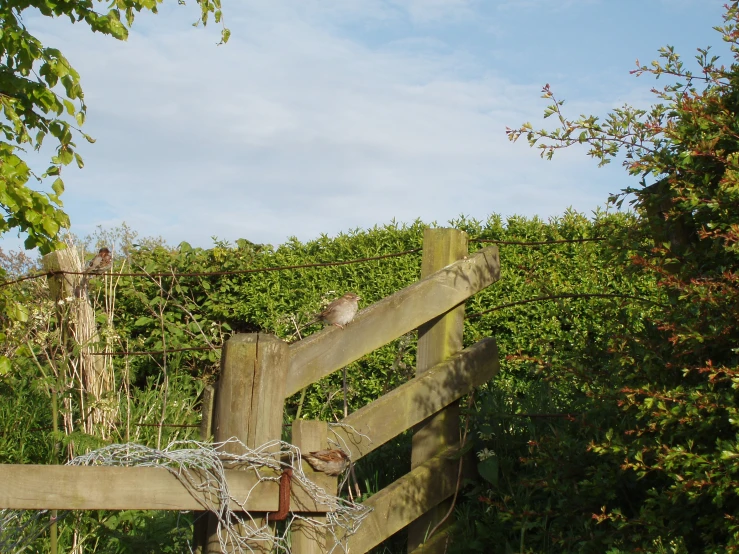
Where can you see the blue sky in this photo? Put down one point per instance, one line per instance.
(320, 116)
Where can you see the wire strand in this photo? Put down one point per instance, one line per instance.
(566, 295)
(539, 242)
(219, 273)
(300, 266)
(150, 352)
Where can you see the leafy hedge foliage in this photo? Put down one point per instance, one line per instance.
(277, 301)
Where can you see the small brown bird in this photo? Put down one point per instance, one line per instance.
(341, 311)
(100, 263)
(331, 462)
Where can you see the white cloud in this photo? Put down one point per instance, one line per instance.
(293, 128)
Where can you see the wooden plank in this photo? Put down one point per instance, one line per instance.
(323, 353)
(438, 339)
(39, 487)
(419, 398)
(405, 500)
(310, 436)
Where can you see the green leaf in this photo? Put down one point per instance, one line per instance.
(58, 186)
(115, 27)
(488, 469)
(5, 365)
(50, 226)
(17, 312)
(69, 107)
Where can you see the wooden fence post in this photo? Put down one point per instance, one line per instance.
(309, 436)
(249, 401)
(79, 329)
(437, 340)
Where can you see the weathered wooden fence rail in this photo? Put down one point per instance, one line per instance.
(259, 371)
(41, 487)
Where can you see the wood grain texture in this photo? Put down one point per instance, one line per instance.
(438, 339)
(251, 389)
(39, 487)
(331, 349)
(206, 413)
(79, 333)
(250, 397)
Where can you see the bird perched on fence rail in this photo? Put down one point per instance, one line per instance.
(331, 462)
(100, 263)
(340, 312)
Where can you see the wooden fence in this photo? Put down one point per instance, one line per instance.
(259, 371)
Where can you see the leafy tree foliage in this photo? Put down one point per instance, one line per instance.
(41, 95)
(649, 461)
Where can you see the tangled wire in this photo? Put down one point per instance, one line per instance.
(200, 467)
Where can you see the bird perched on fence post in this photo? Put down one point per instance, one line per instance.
(100, 263)
(341, 311)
